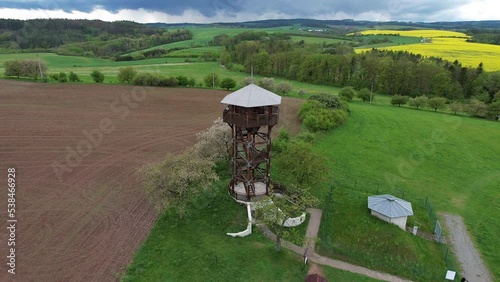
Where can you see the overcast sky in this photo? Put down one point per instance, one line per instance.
(206, 11)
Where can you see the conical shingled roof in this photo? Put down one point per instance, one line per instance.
(390, 206)
(252, 96)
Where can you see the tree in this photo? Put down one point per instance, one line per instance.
(399, 100)
(248, 80)
(211, 80)
(277, 208)
(437, 103)
(213, 143)
(25, 68)
(476, 108)
(300, 166)
(97, 76)
(364, 94)
(419, 101)
(347, 93)
(299, 169)
(267, 83)
(126, 74)
(228, 83)
(284, 87)
(493, 110)
(73, 77)
(175, 182)
(12, 68)
(456, 107)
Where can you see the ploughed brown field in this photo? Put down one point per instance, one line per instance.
(80, 208)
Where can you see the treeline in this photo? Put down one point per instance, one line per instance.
(388, 72)
(484, 36)
(93, 38)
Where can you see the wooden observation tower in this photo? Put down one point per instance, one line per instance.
(251, 113)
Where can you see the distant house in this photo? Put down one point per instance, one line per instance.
(391, 209)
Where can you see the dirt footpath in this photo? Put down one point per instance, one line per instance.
(473, 267)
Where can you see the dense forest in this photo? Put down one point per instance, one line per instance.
(484, 36)
(400, 73)
(92, 38)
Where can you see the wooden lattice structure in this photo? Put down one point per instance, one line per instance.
(251, 113)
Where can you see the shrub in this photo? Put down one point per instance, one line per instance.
(330, 101)
(322, 119)
(364, 94)
(211, 80)
(399, 100)
(126, 74)
(97, 76)
(63, 78)
(73, 77)
(182, 80)
(146, 79)
(456, 107)
(228, 83)
(417, 102)
(306, 136)
(493, 110)
(54, 76)
(284, 87)
(476, 108)
(248, 80)
(309, 107)
(267, 83)
(347, 93)
(281, 142)
(168, 82)
(437, 103)
(192, 82)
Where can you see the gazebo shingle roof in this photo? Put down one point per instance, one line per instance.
(390, 206)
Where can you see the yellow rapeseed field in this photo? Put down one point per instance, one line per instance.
(448, 45)
(428, 33)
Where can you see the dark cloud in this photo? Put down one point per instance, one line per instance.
(396, 9)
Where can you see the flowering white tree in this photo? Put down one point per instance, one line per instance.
(176, 181)
(213, 144)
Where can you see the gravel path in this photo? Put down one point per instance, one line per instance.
(473, 267)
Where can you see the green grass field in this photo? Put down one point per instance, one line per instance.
(198, 249)
(316, 40)
(383, 149)
(395, 41)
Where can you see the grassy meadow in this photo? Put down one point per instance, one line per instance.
(452, 160)
(448, 45)
(197, 248)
